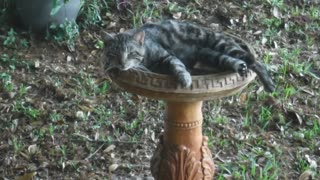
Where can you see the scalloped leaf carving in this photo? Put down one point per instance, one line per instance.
(179, 163)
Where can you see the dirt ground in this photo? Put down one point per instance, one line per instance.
(61, 117)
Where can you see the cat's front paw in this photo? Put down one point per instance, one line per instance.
(242, 69)
(185, 79)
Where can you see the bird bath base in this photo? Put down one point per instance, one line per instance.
(182, 152)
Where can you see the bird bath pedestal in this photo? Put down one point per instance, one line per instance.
(182, 152)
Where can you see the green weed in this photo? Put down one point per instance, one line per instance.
(17, 145)
(292, 63)
(24, 43)
(189, 10)
(103, 114)
(91, 11)
(289, 91)
(64, 33)
(314, 12)
(55, 117)
(265, 116)
(28, 111)
(13, 62)
(99, 44)
(150, 10)
(276, 3)
(22, 90)
(10, 39)
(7, 81)
(267, 58)
(302, 163)
(104, 88)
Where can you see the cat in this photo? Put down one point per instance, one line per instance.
(173, 47)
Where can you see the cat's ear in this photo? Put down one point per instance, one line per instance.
(107, 36)
(139, 37)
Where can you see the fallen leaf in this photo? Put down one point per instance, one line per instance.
(306, 175)
(37, 64)
(276, 12)
(27, 176)
(113, 167)
(109, 148)
(32, 149)
(257, 32)
(177, 15)
(85, 108)
(243, 97)
(264, 41)
(307, 90)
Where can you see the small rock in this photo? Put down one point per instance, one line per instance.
(80, 115)
(113, 167)
(69, 58)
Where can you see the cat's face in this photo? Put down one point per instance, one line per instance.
(124, 51)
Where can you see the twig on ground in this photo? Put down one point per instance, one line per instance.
(91, 155)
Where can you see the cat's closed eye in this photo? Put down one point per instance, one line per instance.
(134, 54)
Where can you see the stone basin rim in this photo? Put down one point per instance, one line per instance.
(164, 87)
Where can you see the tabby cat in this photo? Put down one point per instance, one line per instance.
(171, 47)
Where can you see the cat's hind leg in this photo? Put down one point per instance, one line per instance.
(222, 61)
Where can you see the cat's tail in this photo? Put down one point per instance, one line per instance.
(264, 76)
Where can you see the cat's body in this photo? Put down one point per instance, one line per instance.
(171, 47)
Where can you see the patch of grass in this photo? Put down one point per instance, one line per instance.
(292, 63)
(91, 11)
(103, 114)
(133, 127)
(88, 85)
(314, 12)
(27, 110)
(149, 11)
(40, 133)
(273, 23)
(55, 117)
(14, 62)
(277, 3)
(222, 119)
(189, 11)
(7, 81)
(10, 38)
(289, 91)
(302, 163)
(22, 90)
(64, 33)
(17, 145)
(265, 116)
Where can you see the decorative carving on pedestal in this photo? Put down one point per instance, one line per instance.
(206, 162)
(180, 163)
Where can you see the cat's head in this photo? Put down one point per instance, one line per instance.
(123, 51)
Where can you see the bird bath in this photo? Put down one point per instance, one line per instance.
(182, 152)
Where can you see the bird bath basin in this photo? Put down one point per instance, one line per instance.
(182, 152)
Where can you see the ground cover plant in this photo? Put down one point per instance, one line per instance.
(61, 117)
